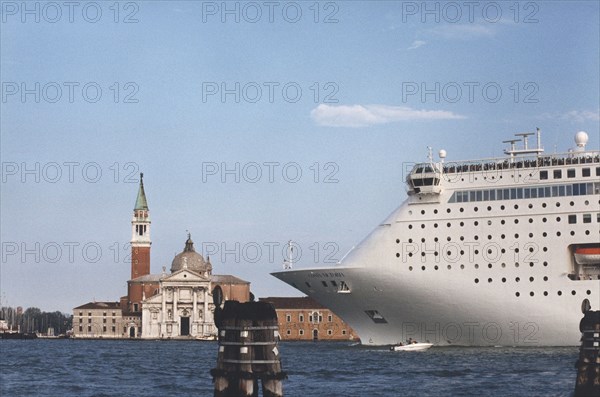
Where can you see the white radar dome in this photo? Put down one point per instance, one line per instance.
(581, 138)
(442, 154)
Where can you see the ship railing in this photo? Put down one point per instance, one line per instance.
(572, 158)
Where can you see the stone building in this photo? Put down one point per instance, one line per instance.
(175, 305)
(183, 305)
(98, 320)
(306, 319)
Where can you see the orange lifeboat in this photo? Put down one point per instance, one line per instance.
(587, 256)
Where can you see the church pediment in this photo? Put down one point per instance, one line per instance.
(185, 276)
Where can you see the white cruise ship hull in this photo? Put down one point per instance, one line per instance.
(478, 273)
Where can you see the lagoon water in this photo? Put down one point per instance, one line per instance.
(176, 368)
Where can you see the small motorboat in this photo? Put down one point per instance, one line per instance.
(411, 347)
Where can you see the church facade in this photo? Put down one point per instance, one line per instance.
(177, 305)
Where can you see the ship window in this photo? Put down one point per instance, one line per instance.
(571, 173)
(586, 172)
(597, 171)
(554, 191)
(547, 191)
(486, 195)
(506, 194)
(576, 189)
(324, 283)
(543, 174)
(472, 196)
(479, 195)
(561, 190)
(598, 217)
(492, 195)
(333, 283)
(513, 193)
(587, 218)
(308, 284)
(557, 174)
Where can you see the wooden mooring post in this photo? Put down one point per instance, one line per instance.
(248, 352)
(588, 364)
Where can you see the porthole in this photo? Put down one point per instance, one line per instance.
(462, 238)
(435, 225)
(489, 280)
(516, 264)
(448, 224)
(435, 211)
(476, 266)
(476, 280)
(503, 279)
(397, 255)
(476, 238)
(476, 209)
(571, 203)
(545, 278)
(517, 279)
(531, 293)
(558, 234)
(530, 235)
(462, 252)
(489, 265)
(410, 268)
(545, 263)
(422, 212)
(572, 233)
(436, 239)
(557, 204)
(545, 293)
(503, 265)
(573, 292)
(410, 226)
(516, 236)
(448, 238)
(489, 208)
(516, 221)
(449, 267)
(462, 267)
(588, 292)
(544, 220)
(410, 254)
(502, 236)
(462, 209)
(503, 250)
(517, 294)
(530, 249)
(436, 253)
(476, 223)
(410, 240)
(544, 234)
(397, 241)
(543, 205)
(461, 224)
(587, 232)
(586, 202)
(489, 236)
(422, 226)
(502, 222)
(559, 293)
(422, 253)
(531, 264)
(530, 206)
(530, 220)
(476, 252)
(516, 206)
(530, 279)
(423, 268)
(423, 240)
(558, 219)
(448, 210)
(436, 267)
(502, 207)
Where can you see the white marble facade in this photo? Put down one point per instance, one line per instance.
(183, 308)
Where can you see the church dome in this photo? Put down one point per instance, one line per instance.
(190, 259)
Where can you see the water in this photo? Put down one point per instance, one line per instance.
(171, 368)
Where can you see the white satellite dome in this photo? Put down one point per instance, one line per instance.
(581, 139)
(442, 154)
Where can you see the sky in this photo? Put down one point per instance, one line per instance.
(257, 123)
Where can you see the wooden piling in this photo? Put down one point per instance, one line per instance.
(248, 352)
(588, 364)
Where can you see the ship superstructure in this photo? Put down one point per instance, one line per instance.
(497, 251)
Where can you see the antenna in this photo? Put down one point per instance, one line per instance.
(288, 262)
(525, 135)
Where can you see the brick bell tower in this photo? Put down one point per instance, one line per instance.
(140, 248)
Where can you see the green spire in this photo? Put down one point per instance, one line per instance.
(141, 203)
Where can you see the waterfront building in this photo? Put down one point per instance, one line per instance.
(175, 305)
(305, 319)
(98, 320)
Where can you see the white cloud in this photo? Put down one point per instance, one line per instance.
(578, 116)
(360, 116)
(416, 44)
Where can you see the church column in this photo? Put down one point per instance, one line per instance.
(195, 310)
(205, 311)
(175, 299)
(163, 314)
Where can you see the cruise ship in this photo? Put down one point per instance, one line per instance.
(491, 252)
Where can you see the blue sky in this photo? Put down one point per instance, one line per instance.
(344, 92)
